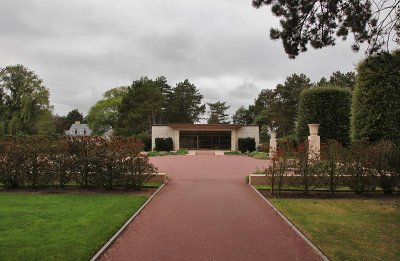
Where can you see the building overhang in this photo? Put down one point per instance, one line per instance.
(203, 127)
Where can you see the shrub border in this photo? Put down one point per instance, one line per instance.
(292, 226)
(107, 245)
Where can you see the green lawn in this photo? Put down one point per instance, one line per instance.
(61, 226)
(348, 229)
(151, 185)
(268, 187)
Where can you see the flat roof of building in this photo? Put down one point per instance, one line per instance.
(188, 126)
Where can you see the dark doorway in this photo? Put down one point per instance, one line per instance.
(210, 140)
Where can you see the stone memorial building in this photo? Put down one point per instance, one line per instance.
(205, 136)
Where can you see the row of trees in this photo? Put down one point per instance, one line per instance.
(149, 102)
(362, 107)
(278, 108)
(370, 115)
(85, 161)
(130, 110)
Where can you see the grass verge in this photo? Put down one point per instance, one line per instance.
(347, 229)
(268, 187)
(61, 226)
(151, 185)
(254, 154)
(155, 153)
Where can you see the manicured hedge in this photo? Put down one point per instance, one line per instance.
(376, 99)
(164, 144)
(246, 144)
(329, 106)
(87, 161)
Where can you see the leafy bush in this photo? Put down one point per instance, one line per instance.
(233, 152)
(164, 144)
(328, 106)
(246, 144)
(376, 99)
(263, 147)
(153, 153)
(89, 161)
(11, 160)
(138, 170)
(258, 155)
(291, 139)
(362, 167)
(331, 155)
(380, 163)
(357, 160)
(182, 152)
(146, 139)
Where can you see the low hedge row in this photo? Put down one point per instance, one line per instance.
(246, 144)
(164, 144)
(363, 167)
(87, 161)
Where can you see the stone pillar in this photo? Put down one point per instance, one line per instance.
(233, 140)
(272, 145)
(314, 142)
(176, 140)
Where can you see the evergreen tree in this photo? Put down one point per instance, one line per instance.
(319, 23)
(74, 116)
(376, 99)
(140, 108)
(277, 108)
(218, 113)
(243, 116)
(339, 79)
(185, 104)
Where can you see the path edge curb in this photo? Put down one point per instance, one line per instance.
(122, 229)
(291, 225)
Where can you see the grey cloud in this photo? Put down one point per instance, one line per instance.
(83, 48)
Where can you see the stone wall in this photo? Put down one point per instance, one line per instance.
(248, 132)
(162, 132)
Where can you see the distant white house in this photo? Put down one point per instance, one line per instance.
(79, 129)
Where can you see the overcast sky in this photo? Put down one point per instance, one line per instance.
(82, 48)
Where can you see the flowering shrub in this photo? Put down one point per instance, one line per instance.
(87, 161)
(362, 167)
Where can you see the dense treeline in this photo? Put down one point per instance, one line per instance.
(132, 110)
(85, 161)
(148, 102)
(278, 109)
(370, 159)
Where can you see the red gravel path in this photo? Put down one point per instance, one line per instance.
(207, 212)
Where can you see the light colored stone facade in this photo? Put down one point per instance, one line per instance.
(162, 132)
(248, 132)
